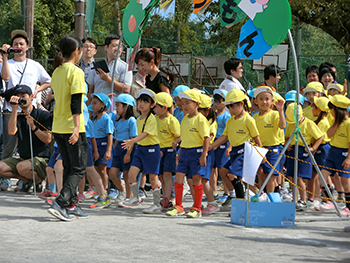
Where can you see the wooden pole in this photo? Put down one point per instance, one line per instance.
(29, 25)
(79, 18)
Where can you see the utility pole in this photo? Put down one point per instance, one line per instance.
(79, 18)
(29, 25)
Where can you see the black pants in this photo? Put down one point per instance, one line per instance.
(74, 159)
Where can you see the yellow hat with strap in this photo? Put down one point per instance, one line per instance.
(191, 94)
(233, 96)
(164, 99)
(340, 101)
(290, 113)
(205, 101)
(313, 86)
(322, 103)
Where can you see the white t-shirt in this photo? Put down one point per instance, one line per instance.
(231, 83)
(33, 73)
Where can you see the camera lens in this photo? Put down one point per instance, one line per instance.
(22, 101)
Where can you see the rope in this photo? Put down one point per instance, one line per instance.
(290, 182)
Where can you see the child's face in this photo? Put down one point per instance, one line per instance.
(159, 110)
(235, 108)
(310, 96)
(205, 112)
(144, 106)
(218, 104)
(188, 106)
(311, 76)
(97, 105)
(264, 101)
(120, 108)
(178, 102)
(145, 66)
(333, 92)
(327, 79)
(315, 111)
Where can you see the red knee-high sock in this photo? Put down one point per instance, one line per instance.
(198, 195)
(178, 193)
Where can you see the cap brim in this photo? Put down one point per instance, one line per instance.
(183, 95)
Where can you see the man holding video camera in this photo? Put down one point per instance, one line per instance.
(21, 168)
(17, 71)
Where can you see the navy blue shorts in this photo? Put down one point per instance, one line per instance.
(321, 155)
(235, 164)
(53, 158)
(90, 159)
(271, 157)
(220, 156)
(205, 171)
(168, 161)
(147, 158)
(335, 159)
(118, 157)
(304, 169)
(189, 162)
(102, 148)
(283, 160)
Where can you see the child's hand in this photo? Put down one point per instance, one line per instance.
(174, 145)
(203, 160)
(107, 156)
(95, 155)
(345, 90)
(177, 158)
(290, 147)
(279, 105)
(346, 163)
(127, 143)
(231, 176)
(227, 152)
(126, 158)
(161, 154)
(210, 147)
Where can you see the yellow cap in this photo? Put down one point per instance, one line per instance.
(322, 103)
(261, 90)
(338, 87)
(205, 101)
(234, 95)
(164, 99)
(276, 97)
(191, 94)
(313, 86)
(290, 113)
(340, 101)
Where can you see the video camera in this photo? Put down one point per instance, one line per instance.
(11, 50)
(9, 93)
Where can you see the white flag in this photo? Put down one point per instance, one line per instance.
(251, 162)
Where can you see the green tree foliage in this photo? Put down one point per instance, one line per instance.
(11, 19)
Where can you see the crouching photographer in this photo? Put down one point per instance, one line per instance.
(21, 124)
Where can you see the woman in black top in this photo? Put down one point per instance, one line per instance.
(148, 60)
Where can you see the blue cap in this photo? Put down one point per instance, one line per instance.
(348, 110)
(180, 88)
(290, 96)
(220, 92)
(126, 99)
(251, 93)
(102, 97)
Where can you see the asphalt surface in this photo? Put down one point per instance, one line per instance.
(30, 234)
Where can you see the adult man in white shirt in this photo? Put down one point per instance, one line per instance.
(234, 70)
(19, 70)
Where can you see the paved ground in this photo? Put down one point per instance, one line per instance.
(30, 234)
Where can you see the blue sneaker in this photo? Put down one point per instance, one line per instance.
(204, 199)
(142, 194)
(216, 197)
(227, 202)
(5, 184)
(223, 198)
(113, 194)
(59, 212)
(77, 212)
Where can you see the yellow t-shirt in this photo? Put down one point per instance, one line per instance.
(281, 136)
(151, 128)
(67, 80)
(309, 130)
(341, 137)
(169, 130)
(324, 126)
(212, 130)
(267, 125)
(308, 113)
(330, 119)
(238, 131)
(193, 131)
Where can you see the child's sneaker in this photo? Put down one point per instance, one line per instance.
(211, 209)
(121, 197)
(121, 204)
(77, 212)
(133, 201)
(80, 198)
(48, 195)
(176, 211)
(223, 198)
(153, 209)
(194, 213)
(310, 204)
(301, 205)
(216, 197)
(227, 203)
(5, 184)
(345, 212)
(100, 203)
(95, 196)
(327, 206)
(142, 193)
(287, 198)
(113, 194)
(49, 202)
(166, 204)
(19, 186)
(90, 193)
(59, 212)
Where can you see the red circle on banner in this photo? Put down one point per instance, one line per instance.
(132, 23)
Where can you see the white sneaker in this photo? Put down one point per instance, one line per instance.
(287, 197)
(153, 209)
(133, 201)
(121, 197)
